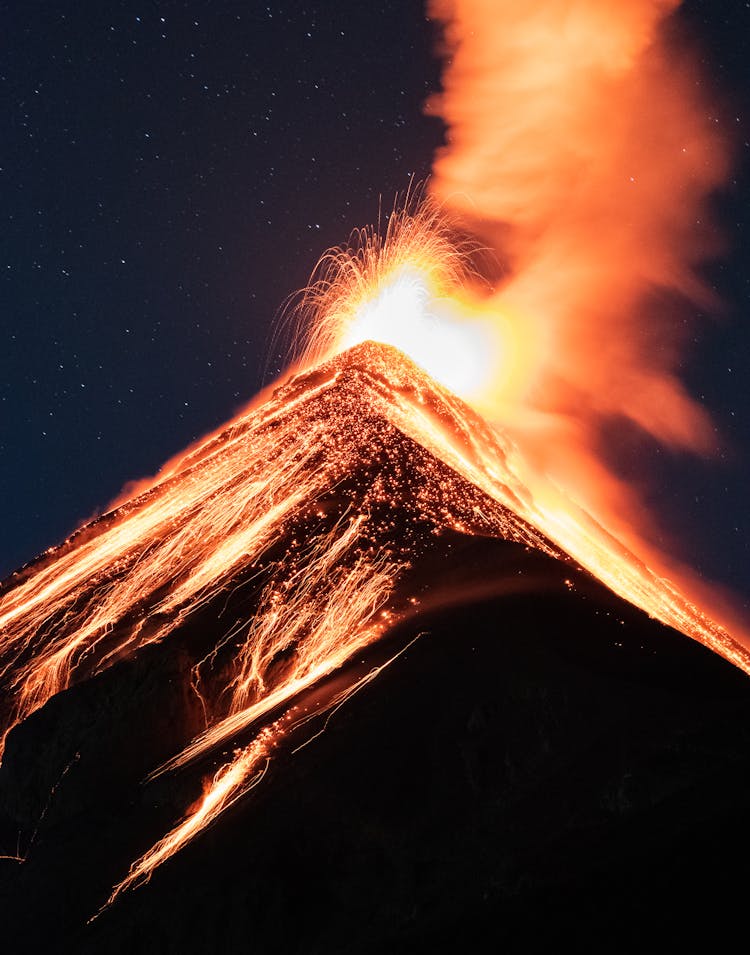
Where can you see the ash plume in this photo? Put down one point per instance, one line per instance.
(581, 145)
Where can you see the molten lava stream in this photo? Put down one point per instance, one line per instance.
(184, 539)
(329, 610)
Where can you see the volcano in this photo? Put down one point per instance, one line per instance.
(334, 681)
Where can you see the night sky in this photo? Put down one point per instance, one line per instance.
(172, 171)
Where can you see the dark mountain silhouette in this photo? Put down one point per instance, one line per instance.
(538, 764)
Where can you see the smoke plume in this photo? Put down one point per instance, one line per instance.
(580, 148)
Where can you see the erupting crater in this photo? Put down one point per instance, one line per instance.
(279, 549)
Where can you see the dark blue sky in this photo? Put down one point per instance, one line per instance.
(172, 171)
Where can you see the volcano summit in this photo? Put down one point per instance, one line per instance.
(175, 653)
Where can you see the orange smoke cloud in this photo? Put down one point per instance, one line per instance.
(580, 148)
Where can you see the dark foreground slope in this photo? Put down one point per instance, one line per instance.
(547, 769)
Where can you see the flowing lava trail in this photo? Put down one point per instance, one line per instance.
(409, 407)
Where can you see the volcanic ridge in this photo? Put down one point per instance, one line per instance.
(172, 655)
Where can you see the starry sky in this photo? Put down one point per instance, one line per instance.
(170, 173)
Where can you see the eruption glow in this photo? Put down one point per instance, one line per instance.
(401, 288)
(406, 313)
(578, 151)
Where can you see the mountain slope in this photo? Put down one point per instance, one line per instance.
(200, 633)
(548, 766)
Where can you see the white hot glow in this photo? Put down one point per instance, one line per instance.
(457, 352)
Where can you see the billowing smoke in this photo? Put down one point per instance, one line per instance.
(581, 149)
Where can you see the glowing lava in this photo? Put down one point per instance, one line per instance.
(407, 314)
(285, 526)
(414, 288)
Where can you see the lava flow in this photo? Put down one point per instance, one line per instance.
(412, 414)
(284, 528)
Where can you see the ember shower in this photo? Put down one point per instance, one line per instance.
(577, 149)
